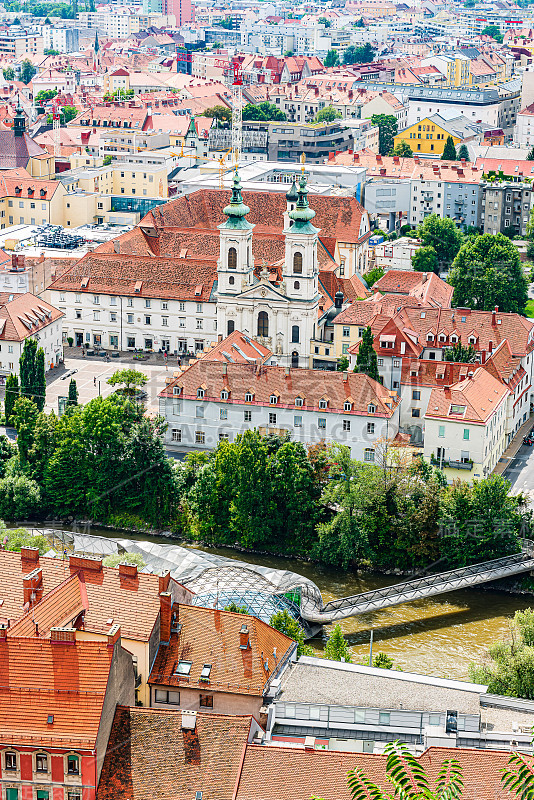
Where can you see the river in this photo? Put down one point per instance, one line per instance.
(438, 636)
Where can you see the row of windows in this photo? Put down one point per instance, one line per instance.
(42, 762)
(274, 399)
(173, 698)
(113, 301)
(297, 419)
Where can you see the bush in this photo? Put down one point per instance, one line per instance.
(124, 558)
(20, 537)
(70, 340)
(20, 497)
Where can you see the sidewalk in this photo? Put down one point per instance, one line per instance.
(123, 357)
(511, 451)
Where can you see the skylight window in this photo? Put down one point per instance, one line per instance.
(457, 409)
(184, 667)
(206, 669)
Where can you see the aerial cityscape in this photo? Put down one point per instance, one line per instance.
(266, 400)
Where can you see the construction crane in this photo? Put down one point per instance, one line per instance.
(56, 125)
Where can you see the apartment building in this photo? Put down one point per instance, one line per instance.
(211, 401)
(465, 425)
(448, 189)
(506, 206)
(116, 26)
(25, 316)
(119, 178)
(16, 45)
(65, 40)
(497, 107)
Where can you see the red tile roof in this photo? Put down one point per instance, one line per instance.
(57, 609)
(237, 348)
(132, 603)
(479, 394)
(66, 679)
(425, 286)
(24, 315)
(208, 636)
(264, 381)
(297, 774)
(150, 756)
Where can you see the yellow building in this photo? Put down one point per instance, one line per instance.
(426, 136)
(119, 178)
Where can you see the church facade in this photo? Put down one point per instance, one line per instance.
(278, 305)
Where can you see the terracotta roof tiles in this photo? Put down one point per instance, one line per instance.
(61, 607)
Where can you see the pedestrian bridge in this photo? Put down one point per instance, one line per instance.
(315, 613)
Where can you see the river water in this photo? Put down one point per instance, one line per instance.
(438, 636)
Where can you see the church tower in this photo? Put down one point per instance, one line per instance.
(235, 266)
(301, 271)
(19, 122)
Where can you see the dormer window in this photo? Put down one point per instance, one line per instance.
(430, 337)
(442, 337)
(31, 190)
(224, 395)
(42, 192)
(248, 397)
(323, 403)
(200, 393)
(299, 402)
(472, 340)
(18, 189)
(176, 389)
(273, 399)
(347, 406)
(371, 408)
(454, 339)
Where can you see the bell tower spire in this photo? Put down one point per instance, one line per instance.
(235, 266)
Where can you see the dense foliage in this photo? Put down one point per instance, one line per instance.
(106, 461)
(487, 272)
(263, 112)
(387, 130)
(449, 151)
(508, 666)
(443, 236)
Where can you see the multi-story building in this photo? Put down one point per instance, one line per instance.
(16, 45)
(448, 189)
(211, 401)
(119, 178)
(57, 703)
(116, 26)
(187, 673)
(506, 206)
(497, 107)
(25, 316)
(65, 40)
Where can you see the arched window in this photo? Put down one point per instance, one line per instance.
(347, 406)
(232, 258)
(273, 399)
(296, 285)
(295, 333)
(263, 324)
(294, 359)
(73, 765)
(297, 263)
(230, 327)
(231, 280)
(224, 395)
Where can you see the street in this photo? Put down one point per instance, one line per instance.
(520, 472)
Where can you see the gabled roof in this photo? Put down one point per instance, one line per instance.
(24, 315)
(151, 757)
(208, 636)
(237, 348)
(59, 608)
(480, 393)
(65, 679)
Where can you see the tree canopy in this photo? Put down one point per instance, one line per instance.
(449, 151)
(443, 236)
(402, 149)
(425, 259)
(263, 112)
(463, 153)
(220, 113)
(27, 71)
(366, 360)
(387, 130)
(331, 59)
(494, 32)
(487, 272)
(327, 114)
(358, 55)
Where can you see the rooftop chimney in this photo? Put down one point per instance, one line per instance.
(244, 642)
(114, 635)
(3, 633)
(93, 563)
(128, 570)
(67, 635)
(165, 608)
(189, 720)
(32, 585)
(338, 300)
(164, 580)
(494, 315)
(29, 557)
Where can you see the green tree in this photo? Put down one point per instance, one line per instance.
(324, 21)
(73, 393)
(226, 23)
(20, 497)
(387, 130)
(366, 359)
(373, 276)
(402, 149)
(67, 113)
(50, 50)
(220, 113)
(443, 236)
(358, 55)
(124, 558)
(12, 394)
(481, 521)
(32, 373)
(342, 364)
(7, 451)
(460, 354)
(425, 259)
(24, 418)
(235, 609)
(27, 71)
(382, 661)
(331, 59)
(44, 95)
(449, 151)
(20, 537)
(487, 272)
(327, 114)
(359, 23)
(107, 160)
(530, 156)
(494, 32)
(119, 94)
(336, 648)
(263, 112)
(8, 73)
(283, 621)
(130, 379)
(408, 779)
(463, 153)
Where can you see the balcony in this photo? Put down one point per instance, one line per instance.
(450, 463)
